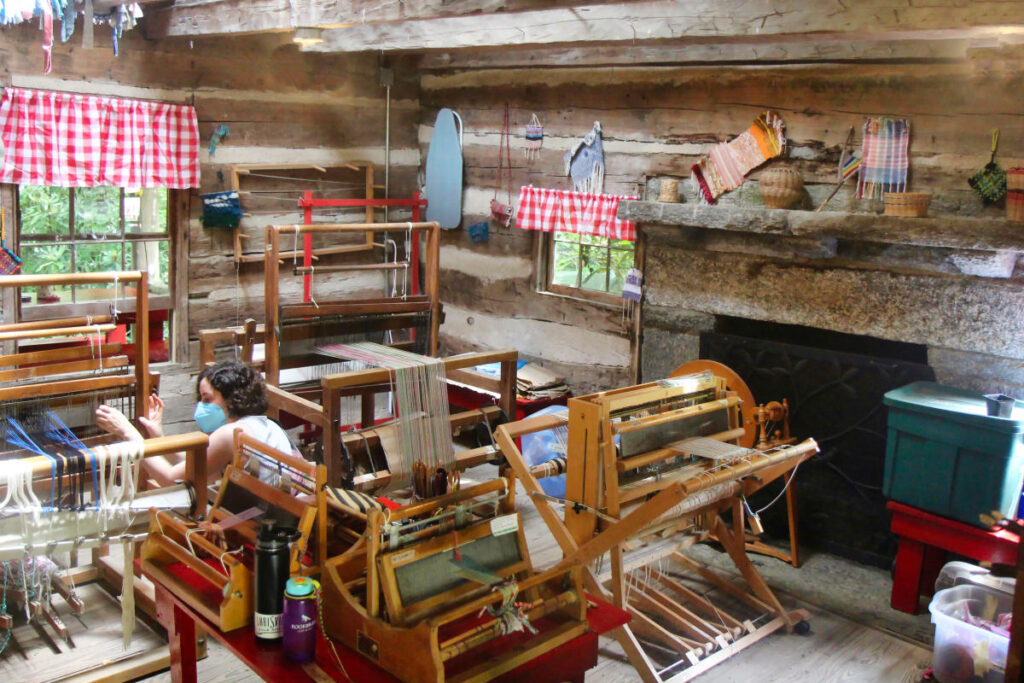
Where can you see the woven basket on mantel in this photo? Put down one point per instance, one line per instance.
(781, 187)
(907, 203)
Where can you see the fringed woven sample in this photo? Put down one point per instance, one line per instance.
(727, 164)
(533, 139)
(585, 162)
(884, 163)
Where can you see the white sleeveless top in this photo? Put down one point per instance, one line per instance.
(263, 429)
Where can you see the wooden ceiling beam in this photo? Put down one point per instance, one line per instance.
(632, 23)
(802, 49)
(196, 18)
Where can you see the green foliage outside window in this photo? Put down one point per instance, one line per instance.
(104, 217)
(590, 262)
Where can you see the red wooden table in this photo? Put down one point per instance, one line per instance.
(924, 540)
(568, 662)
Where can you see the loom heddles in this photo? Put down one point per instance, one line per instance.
(421, 407)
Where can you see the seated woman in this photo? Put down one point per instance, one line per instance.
(230, 395)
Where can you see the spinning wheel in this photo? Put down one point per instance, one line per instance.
(733, 382)
(748, 411)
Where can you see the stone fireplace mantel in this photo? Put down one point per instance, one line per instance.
(954, 285)
(948, 232)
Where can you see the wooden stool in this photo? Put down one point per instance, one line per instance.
(924, 540)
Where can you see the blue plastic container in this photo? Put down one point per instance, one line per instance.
(946, 455)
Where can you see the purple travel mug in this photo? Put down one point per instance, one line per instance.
(299, 621)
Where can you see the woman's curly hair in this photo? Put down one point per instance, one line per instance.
(239, 384)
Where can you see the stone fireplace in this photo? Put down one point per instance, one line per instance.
(830, 310)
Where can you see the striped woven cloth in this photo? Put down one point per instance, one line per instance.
(727, 163)
(884, 162)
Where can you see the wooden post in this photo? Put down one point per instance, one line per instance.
(271, 342)
(142, 381)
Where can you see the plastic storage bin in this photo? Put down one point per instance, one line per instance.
(946, 455)
(957, 572)
(966, 652)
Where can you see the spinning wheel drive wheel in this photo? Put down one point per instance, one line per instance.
(733, 382)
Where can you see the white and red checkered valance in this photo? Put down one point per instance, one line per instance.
(73, 140)
(580, 212)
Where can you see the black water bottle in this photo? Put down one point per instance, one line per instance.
(271, 577)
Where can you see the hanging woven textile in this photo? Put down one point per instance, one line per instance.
(727, 163)
(423, 432)
(884, 163)
(990, 182)
(221, 210)
(502, 213)
(534, 139)
(585, 162)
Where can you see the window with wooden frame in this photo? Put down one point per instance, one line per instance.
(97, 229)
(586, 266)
(74, 183)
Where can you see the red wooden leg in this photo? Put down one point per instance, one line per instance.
(181, 637)
(906, 580)
(931, 565)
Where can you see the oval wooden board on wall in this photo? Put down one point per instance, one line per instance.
(444, 172)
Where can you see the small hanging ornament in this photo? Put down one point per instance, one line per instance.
(534, 139)
(632, 293)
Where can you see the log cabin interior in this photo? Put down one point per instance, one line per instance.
(758, 267)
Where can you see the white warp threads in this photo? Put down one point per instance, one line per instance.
(421, 407)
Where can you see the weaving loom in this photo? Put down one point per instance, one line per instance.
(378, 455)
(649, 471)
(65, 486)
(67, 365)
(210, 564)
(402, 318)
(443, 590)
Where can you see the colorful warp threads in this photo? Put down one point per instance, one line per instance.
(421, 406)
(884, 164)
(727, 163)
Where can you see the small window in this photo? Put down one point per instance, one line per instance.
(587, 265)
(96, 229)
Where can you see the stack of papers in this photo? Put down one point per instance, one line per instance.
(535, 382)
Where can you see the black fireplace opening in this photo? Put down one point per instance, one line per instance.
(834, 384)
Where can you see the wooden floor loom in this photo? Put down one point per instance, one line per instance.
(318, 383)
(408, 319)
(209, 564)
(54, 372)
(650, 470)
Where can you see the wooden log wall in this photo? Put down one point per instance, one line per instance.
(657, 122)
(280, 106)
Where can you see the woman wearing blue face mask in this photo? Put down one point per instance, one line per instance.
(230, 395)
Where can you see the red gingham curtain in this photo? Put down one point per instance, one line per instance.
(72, 140)
(580, 212)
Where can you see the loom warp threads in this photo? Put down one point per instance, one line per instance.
(421, 408)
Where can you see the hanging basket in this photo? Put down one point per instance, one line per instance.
(907, 203)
